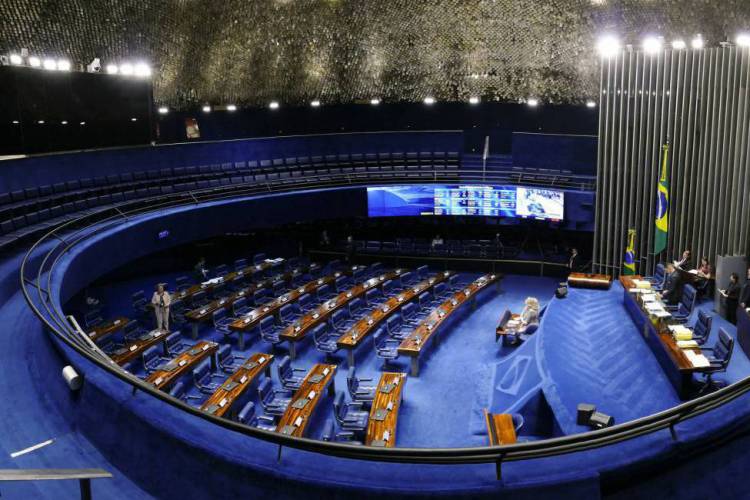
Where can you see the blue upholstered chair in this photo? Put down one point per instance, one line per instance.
(518, 421)
(222, 321)
(247, 416)
(340, 320)
(151, 359)
(349, 415)
(388, 287)
(240, 264)
(177, 314)
(441, 293)
(240, 307)
(681, 312)
(358, 391)
(199, 299)
(228, 362)
(657, 280)
(202, 378)
(289, 376)
(139, 302)
(175, 345)
(92, 319)
(182, 283)
(325, 339)
(260, 297)
(409, 314)
(386, 348)
(341, 283)
(324, 293)
(305, 302)
(131, 331)
(288, 314)
(179, 391)
(274, 401)
(269, 331)
(373, 296)
(356, 309)
(423, 272)
(453, 284)
(719, 356)
(374, 269)
(396, 327)
(221, 270)
(702, 327)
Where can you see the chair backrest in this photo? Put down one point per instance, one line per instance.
(424, 300)
(258, 258)
(225, 353)
(724, 347)
(372, 295)
(659, 273)
(181, 282)
(394, 322)
(285, 312)
(355, 305)
(423, 271)
(318, 331)
(688, 299)
(240, 264)
(505, 317)
(323, 290)
(453, 281)
(339, 316)
(407, 278)
(518, 421)
(338, 405)
(239, 304)
(178, 390)
(341, 283)
(352, 382)
(219, 314)
(150, 355)
(198, 297)
(702, 328)
(130, 328)
(266, 324)
(304, 300)
(409, 310)
(284, 367)
(379, 335)
(264, 390)
(221, 270)
(439, 289)
(93, 318)
(173, 339)
(258, 296)
(387, 286)
(201, 373)
(247, 413)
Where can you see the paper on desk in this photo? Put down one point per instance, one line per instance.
(698, 360)
(687, 344)
(662, 314)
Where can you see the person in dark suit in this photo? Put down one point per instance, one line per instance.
(201, 273)
(684, 262)
(731, 297)
(573, 260)
(671, 285)
(745, 292)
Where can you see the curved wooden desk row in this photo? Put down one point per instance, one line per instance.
(223, 400)
(251, 319)
(301, 408)
(297, 330)
(135, 348)
(416, 343)
(108, 328)
(583, 280)
(182, 364)
(370, 322)
(381, 426)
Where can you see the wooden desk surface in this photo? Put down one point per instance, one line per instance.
(583, 280)
(299, 328)
(376, 429)
(252, 318)
(325, 373)
(377, 315)
(500, 329)
(135, 348)
(413, 344)
(219, 403)
(500, 428)
(248, 271)
(107, 328)
(200, 351)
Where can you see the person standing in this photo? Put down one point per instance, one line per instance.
(161, 302)
(745, 291)
(731, 297)
(573, 260)
(201, 273)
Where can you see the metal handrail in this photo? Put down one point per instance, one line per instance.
(102, 219)
(84, 477)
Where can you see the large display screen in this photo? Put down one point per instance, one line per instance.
(488, 201)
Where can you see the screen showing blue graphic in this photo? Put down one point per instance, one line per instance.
(488, 201)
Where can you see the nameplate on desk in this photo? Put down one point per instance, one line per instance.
(147, 336)
(379, 443)
(243, 379)
(379, 415)
(169, 366)
(194, 351)
(316, 316)
(158, 380)
(182, 362)
(288, 430)
(134, 347)
(314, 379)
(116, 322)
(212, 409)
(250, 365)
(228, 386)
(387, 388)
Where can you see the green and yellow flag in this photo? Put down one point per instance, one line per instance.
(629, 264)
(662, 205)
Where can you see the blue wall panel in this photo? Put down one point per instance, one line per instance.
(576, 153)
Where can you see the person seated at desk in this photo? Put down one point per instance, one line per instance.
(201, 273)
(161, 301)
(671, 285)
(730, 296)
(745, 292)
(684, 262)
(529, 315)
(437, 241)
(704, 272)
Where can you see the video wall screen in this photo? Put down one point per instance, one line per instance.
(486, 201)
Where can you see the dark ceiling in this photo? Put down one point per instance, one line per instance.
(251, 52)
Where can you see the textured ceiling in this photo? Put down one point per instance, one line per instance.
(250, 52)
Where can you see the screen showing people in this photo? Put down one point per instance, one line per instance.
(488, 201)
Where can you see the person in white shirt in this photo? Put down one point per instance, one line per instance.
(161, 302)
(530, 313)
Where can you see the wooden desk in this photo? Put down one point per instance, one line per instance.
(251, 319)
(317, 379)
(165, 377)
(500, 330)
(362, 328)
(500, 428)
(224, 398)
(414, 344)
(583, 280)
(135, 348)
(674, 362)
(108, 328)
(393, 385)
(205, 313)
(297, 330)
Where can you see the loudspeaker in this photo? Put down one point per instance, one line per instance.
(585, 410)
(600, 420)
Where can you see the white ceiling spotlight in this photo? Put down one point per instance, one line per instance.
(473, 100)
(608, 46)
(533, 102)
(16, 60)
(63, 65)
(679, 44)
(652, 45)
(273, 105)
(206, 108)
(126, 69)
(697, 43)
(112, 69)
(35, 62)
(743, 40)
(429, 101)
(315, 103)
(231, 107)
(590, 104)
(163, 110)
(142, 70)
(50, 64)
(375, 101)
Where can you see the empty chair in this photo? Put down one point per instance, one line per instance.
(240, 264)
(289, 376)
(453, 283)
(396, 327)
(305, 302)
(441, 292)
(260, 297)
(182, 283)
(288, 313)
(702, 327)
(240, 307)
(340, 320)
(341, 283)
(222, 321)
(131, 331)
(682, 311)
(93, 319)
(324, 293)
(719, 356)
(357, 309)
(349, 415)
(151, 359)
(388, 287)
(179, 391)
(228, 362)
(409, 314)
(407, 279)
(221, 270)
(269, 331)
(373, 296)
(374, 269)
(325, 339)
(202, 378)
(657, 280)
(357, 390)
(174, 344)
(423, 272)
(139, 302)
(247, 416)
(199, 299)
(177, 313)
(424, 300)
(274, 401)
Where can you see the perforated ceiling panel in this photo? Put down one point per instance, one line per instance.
(251, 52)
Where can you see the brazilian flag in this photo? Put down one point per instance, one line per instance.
(662, 205)
(629, 264)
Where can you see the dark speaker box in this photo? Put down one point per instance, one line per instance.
(600, 420)
(585, 410)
